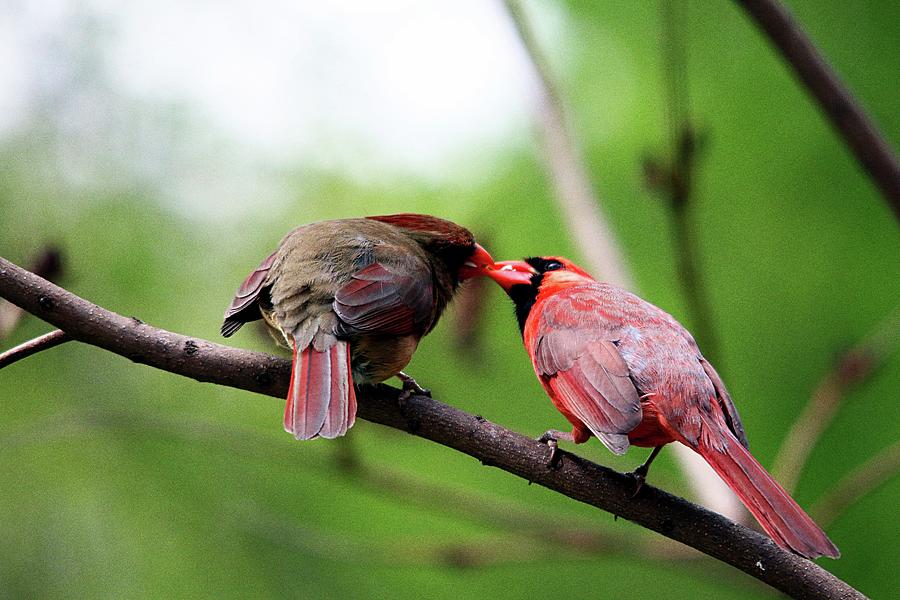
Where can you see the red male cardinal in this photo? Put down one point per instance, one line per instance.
(352, 298)
(621, 369)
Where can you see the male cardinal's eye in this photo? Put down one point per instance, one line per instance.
(553, 265)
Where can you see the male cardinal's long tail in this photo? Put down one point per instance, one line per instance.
(321, 400)
(775, 510)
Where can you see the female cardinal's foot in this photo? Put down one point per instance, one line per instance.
(410, 388)
(551, 437)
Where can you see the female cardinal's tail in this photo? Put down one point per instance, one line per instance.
(775, 510)
(321, 400)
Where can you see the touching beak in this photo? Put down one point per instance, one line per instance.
(508, 273)
(478, 264)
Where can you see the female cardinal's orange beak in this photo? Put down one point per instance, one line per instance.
(477, 264)
(508, 273)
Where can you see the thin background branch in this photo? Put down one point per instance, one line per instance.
(576, 195)
(26, 349)
(867, 144)
(854, 367)
(868, 477)
(542, 532)
(425, 417)
(677, 181)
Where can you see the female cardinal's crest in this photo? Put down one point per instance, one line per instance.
(448, 232)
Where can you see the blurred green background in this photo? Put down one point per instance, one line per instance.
(117, 480)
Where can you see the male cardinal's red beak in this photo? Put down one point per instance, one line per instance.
(477, 264)
(511, 272)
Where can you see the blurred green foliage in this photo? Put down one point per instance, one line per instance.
(120, 481)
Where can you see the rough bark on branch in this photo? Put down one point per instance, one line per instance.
(425, 417)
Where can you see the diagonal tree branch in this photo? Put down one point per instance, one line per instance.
(868, 145)
(425, 417)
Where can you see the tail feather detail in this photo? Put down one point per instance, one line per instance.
(321, 400)
(341, 412)
(780, 516)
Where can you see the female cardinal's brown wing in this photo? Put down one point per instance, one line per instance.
(574, 351)
(244, 307)
(386, 298)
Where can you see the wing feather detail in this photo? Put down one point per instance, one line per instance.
(732, 418)
(576, 355)
(384, 300)
(244, 305)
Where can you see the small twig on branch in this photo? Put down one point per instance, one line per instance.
(868, 145)
(595, 239)
(44, 342)
(428, 418)
(850, 370)
(866, 478)
(47, 264)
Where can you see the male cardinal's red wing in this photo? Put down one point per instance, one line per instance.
(575, 352)
(385, 299)
(732, 418)
(244, 307)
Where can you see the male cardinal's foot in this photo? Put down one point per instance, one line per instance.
(551, 437)
(410, 388)
(640, 474)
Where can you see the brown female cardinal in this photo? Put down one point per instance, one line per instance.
(625, 371)
(352, 298)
